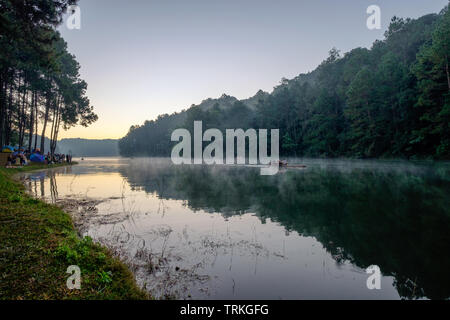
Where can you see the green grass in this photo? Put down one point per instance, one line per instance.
(37, 244)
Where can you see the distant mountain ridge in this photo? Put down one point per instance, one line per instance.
(89, 147)
(153, 137)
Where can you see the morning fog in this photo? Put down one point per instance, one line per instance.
(213, 153)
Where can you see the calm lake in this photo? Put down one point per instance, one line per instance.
(226, 232)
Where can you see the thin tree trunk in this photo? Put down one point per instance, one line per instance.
(52, 131)
(22, 123)
(55, 125)
(9, 116)
(47, 109)
(36, 122)
(31, 129)
(57, 132)
(18, 106)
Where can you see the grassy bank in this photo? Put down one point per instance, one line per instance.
(37, 244)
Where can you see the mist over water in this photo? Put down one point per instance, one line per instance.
(226, 232)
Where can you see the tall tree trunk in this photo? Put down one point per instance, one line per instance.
(36, 123)
(8, 117)
(18, 106)
(31, 129)
(47, 109)
(52, 131)
(23, 117)
(57, 132)
(55, 125)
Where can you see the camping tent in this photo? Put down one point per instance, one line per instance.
(36, 157)
(8, 149)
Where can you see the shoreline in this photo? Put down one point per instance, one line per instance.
(39, 243)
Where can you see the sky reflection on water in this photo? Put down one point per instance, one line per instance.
(229, 233)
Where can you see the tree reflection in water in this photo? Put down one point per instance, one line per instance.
(397, 219)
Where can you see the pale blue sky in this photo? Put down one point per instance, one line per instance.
(142, 58)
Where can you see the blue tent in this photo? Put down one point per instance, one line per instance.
(36, 157)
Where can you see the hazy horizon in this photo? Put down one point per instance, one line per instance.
(151, 58)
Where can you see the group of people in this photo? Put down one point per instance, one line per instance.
(58, 158)
(22, 157)
(17, 154)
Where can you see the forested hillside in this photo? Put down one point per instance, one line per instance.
(392, 100)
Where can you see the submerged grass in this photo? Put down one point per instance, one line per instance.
(38, 243)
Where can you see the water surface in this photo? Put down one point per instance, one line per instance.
(226, 232)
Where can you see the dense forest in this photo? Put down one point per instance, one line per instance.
(392, 100)
(40, 87)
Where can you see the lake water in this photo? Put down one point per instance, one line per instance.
(226, 232)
